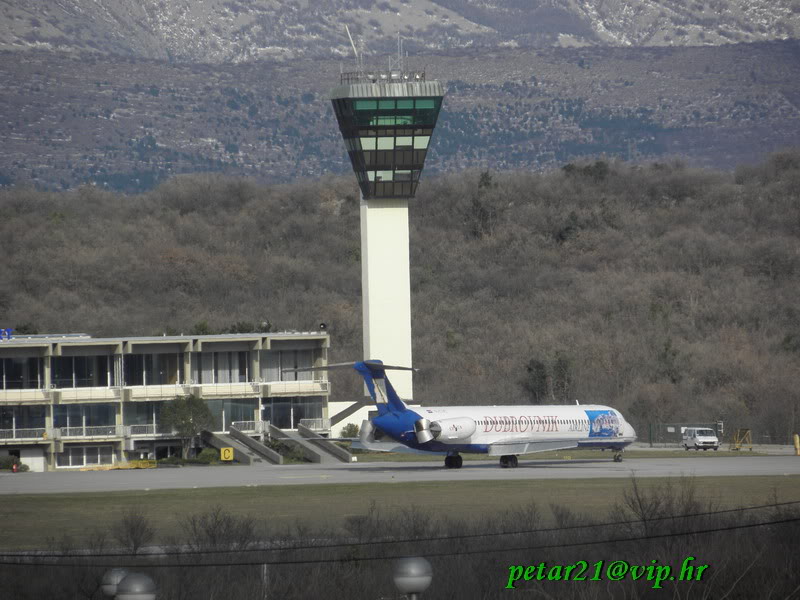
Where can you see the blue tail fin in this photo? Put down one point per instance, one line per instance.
(380, 389)
(374, 374)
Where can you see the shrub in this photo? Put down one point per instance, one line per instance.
(6, 462)
(350, 431)
(208, 456)
(290, 453)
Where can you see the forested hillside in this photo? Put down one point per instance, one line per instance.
(668, 291)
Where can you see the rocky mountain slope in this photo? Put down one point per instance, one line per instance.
(129, 123)
(237, 30)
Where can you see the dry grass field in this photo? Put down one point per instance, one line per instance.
(38, 521)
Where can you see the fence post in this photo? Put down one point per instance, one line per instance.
(650, 433)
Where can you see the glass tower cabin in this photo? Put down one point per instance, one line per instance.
(387, 122)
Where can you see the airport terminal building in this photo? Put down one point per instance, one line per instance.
(74, 401)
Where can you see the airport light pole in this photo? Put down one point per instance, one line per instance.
(412, 576)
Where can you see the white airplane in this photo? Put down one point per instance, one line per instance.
(504, 431)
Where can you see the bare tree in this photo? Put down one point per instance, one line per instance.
(133, 530)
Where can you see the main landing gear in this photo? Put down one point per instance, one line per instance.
(453, 462)
(508, 461)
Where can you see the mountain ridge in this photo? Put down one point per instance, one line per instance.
(218, 31)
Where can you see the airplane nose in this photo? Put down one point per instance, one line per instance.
(630, 432)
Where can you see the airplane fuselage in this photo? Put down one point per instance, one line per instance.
(478, 429)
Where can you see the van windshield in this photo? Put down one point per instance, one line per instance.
(706, 432)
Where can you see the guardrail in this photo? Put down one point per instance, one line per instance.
(150, 429)
(89, 431)
(250, 426)
(141, 430)
(24, 434)
(316, 424)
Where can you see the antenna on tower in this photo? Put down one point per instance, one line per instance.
(399, 51)
(352, 43)
(397, 66)
(359, 57)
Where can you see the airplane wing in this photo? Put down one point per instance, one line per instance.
(389, 447)
(529, 446)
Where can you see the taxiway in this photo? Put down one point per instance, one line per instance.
(388, 472)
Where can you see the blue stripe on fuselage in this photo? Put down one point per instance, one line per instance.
(399, 425)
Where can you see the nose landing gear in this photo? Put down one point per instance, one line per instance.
(618, 457)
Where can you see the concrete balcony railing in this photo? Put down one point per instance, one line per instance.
(295, 388)
(154, 392)
(243, 389)
(25, 396)
(84, 394)
(143, 393)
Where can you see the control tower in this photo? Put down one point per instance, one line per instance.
(387, 120)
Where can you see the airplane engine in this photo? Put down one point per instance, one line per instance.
(459, 428)
(446, 430)
(423, 430)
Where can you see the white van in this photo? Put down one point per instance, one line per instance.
(700, 437)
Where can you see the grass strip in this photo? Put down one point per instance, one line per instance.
(32, 521)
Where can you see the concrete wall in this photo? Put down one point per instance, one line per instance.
(357, 417)
(33, 457)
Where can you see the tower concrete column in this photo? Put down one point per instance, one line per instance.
(386, 287)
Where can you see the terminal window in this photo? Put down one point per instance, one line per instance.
(22, 373)
(81, 456)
